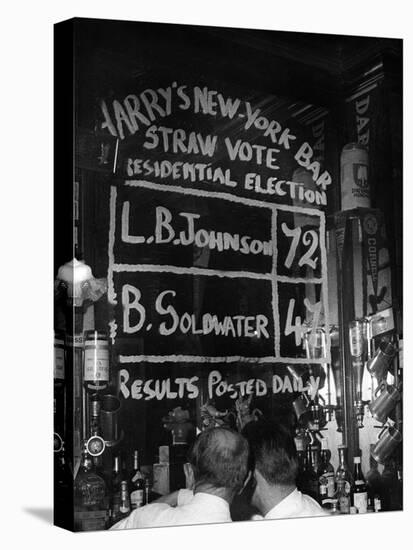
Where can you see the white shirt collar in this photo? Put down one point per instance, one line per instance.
(284, 508)
(296, 505)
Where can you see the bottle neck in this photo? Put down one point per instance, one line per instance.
(136, 461)
(94, 425)
(357, 471)
(124, 491)
(116, 465)
(342, 459)
(314, 458)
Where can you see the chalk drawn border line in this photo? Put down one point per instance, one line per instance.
(273, 207)
(222, 196)
(125, 359)
(178, 270)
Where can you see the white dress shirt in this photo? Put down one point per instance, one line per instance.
(202, 508)
(295, 505)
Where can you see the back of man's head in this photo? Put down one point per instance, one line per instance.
(219, 458)
(273, 452)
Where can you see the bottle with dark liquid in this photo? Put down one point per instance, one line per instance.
(137, 484)
(301, 459)
(391, 483)
(116, 476)
(310, 473)
(360, 487)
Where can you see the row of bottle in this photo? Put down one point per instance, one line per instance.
(341, 492)
(121, 491)
(98, 494)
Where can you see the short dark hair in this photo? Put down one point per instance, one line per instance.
(273, 451)
(219, 457)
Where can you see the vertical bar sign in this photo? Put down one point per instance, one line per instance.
(371, 223)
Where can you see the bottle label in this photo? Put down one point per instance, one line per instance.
(360, 502)
(359, 482)
(91, 489)
(327, 481)
(96, 364)
(136, 498)
(59, 363)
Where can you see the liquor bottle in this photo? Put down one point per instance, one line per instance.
(360, 487)
(90, 488)
(116, 476)
(302, 481)
(390, 483)
(125, 506)
(96, 361)
(310, 474)
(301, 459)
(326, 482)
(137, 484)
(374, 485)
(343, 473)
(124, 472)
(343, 497)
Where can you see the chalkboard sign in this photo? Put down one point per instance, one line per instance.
(216, 253)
